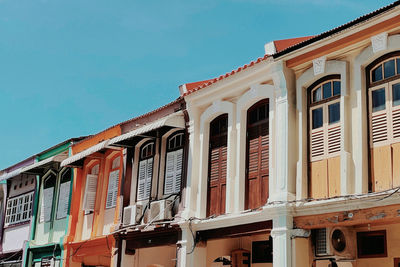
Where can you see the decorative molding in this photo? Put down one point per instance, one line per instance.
(379, 42)
(319, 65)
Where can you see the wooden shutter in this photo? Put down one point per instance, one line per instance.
(112, 190)
(173, 172)
(144, 179)
(90, 192)
(257, 166)
(63, 200)
(217, 175)
(47, 203)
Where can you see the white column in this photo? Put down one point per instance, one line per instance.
(187, 254)
(281, 238)
(231, 160)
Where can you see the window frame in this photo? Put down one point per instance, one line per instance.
(173, 150)
(21, 196)
(110, 170)
(145, 158)
(89, 171)
(49, 174)
(368, 234)
(326, 127)
(61, 175)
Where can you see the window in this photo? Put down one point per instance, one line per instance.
(145, 171)
(19, 209)
(217, 163)
(261, 251)
(371, 244)
(383, 94)
(91, 188)
(384, 102)
(324, 118)
(257, 162)
(174, 164)
(49, 182)
(113, 182)
(63, 196)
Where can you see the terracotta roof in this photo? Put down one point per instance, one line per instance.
(281, 45)
(337, 29)
(193, 87)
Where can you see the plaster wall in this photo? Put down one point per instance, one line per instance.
(15, 236)
(164, 256)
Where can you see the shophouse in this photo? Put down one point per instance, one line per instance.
(154, 186)
(50, 207)
(95, 202)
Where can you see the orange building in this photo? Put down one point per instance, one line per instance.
(95, 202)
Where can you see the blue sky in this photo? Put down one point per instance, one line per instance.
(73, 68)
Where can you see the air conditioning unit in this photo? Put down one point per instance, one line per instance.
(160, 211)
(337, 242)
(132, 215)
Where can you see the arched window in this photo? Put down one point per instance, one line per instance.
(383, 81)
(145, 171)
(174, 164)
(257, 162)
(324, 137)
(63, 196)
(217, 163)
(49, 183)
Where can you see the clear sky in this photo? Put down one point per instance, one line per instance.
(75, 67)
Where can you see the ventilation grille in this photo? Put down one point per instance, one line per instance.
(317, 144)
(321, 248)
(396, 123)
(379, 128)
(334, 139)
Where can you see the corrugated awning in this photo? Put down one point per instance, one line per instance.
(71, 161)
(40, 166)
(174, 120)
(11, 174)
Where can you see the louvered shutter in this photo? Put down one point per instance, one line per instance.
(63, 200)
(112, 190)
(141, 180)
(257, 165)
(90, 192)
(47, 201)
(173, 172)
(149, 176)
(217, 175)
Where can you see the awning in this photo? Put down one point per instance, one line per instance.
(11, 174)
(71, 161)
(174, 120)
(40, 166)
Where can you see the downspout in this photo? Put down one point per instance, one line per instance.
(3, 184)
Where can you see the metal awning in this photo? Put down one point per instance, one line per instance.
(40, 166)
(11, 174)
(174, 120)
(71, 161)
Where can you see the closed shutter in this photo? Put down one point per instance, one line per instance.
(47, 201)
(257, 166)
(90, 192)
(112, 190)
(63, 200)
(217, 175)
(144, 179)
(173, 172)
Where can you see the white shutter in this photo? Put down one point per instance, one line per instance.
(141, 180)
(47, 201)
(149, 176)
(112, 190)
(63, 200)
(173, 172)
(90, 192)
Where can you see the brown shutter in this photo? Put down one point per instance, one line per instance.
(217, 173)
(257, 169)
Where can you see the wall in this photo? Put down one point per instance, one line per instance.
(164, 256)
(15, 236)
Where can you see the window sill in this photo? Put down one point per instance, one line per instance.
(16, 224)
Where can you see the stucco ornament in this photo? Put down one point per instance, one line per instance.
(319, 65)
(379, 42)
